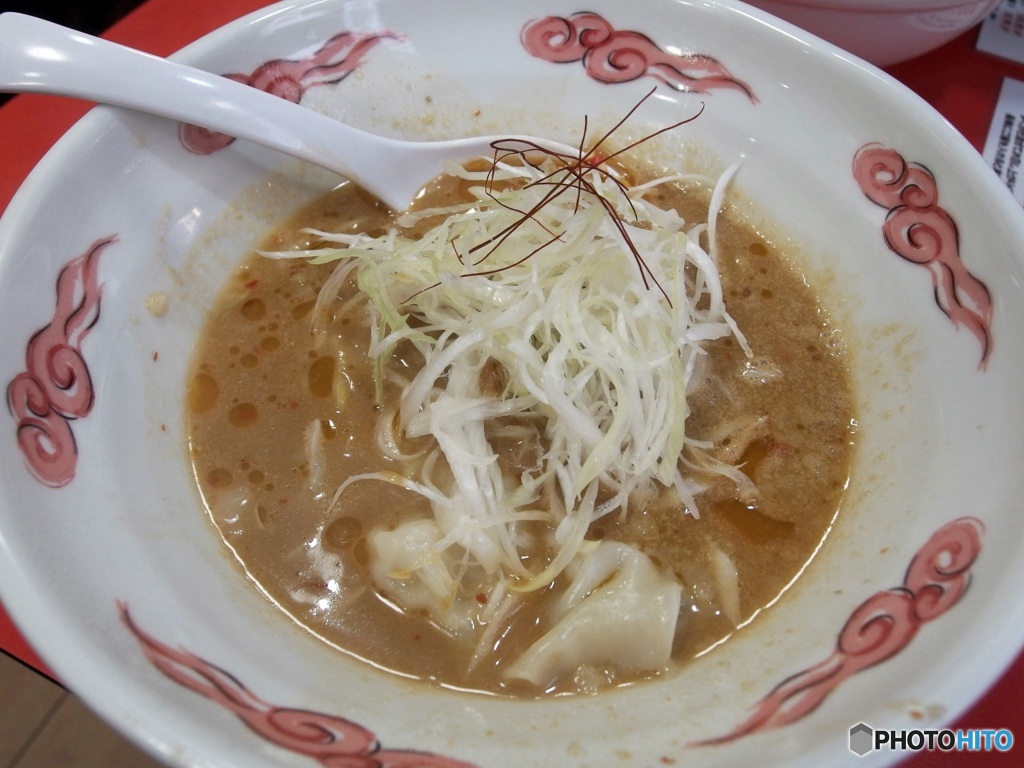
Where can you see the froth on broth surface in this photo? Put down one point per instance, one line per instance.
(262, 392)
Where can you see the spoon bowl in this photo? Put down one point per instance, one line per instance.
(37, 56)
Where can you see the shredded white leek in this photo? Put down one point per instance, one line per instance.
(598, 343)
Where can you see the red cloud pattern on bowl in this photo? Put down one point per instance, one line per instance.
(878, 629)
(290, 78)
(56, 387)
(330, 740)
(612, 55)
(919, 230)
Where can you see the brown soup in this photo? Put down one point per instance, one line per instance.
(262, 392)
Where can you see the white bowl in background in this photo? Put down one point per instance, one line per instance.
(110, 566)
(883, 32)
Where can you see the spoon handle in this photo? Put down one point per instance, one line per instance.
(40, 57)
(37, 56)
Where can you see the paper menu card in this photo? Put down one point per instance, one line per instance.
(1004, 146)
(1002, 31)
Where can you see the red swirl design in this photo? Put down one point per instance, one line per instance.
(56, 386)
(290, 79)
(920, 231)
(618, 56)
(878, 629)
(332, 741)
(882, 626)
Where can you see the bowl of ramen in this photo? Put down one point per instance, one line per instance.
(883, 32)
(696, 445)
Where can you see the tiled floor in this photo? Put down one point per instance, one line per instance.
(44, 726)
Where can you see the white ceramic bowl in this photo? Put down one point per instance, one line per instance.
(883, 32)
(108, 562)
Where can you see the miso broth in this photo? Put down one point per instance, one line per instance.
(266, 395)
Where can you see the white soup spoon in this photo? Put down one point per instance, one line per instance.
(37, 56)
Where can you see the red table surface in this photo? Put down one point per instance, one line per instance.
(957, 80)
